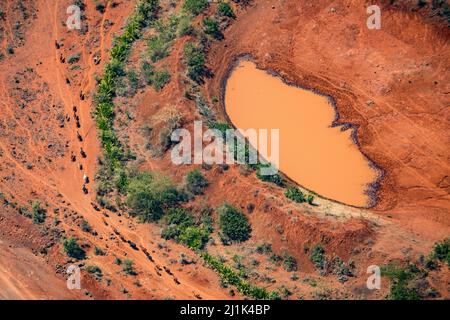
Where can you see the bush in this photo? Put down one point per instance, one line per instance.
(233, 224)
(147, 72)
(74, 58)
(211, 27)
(264, 248)
(10, 49)
(181, 227)
(400, 282)
(195, 7)
(160, 79)
(149, 194)
(159, 47)
(73, 250)
(290, 264)
(274, 178)
(295, 194)
(442, 251)
(195, 62)
(85, 226)
(127, 267)
(194, 237)
(95, 270)
(224, 10)
(318, 257)
(196, 182)
(98, 251)
(38, 214)
(184, 27)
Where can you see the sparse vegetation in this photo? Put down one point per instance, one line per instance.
(233, 224)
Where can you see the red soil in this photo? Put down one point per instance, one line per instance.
(404, 130)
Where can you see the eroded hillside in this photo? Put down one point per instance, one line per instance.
(78, 104)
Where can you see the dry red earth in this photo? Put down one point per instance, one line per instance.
(393, 84)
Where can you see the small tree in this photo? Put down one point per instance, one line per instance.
(73, 249)
(233, 224)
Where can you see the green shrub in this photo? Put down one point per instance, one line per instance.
(401, 278)
(273, 178)
(160, 79)
(98, 251)
(195, 7)
(442, 251)
(85, 226)
(224, 10)
(182, 228)
(80, 4)
(264, 248)
(74, 58)
(196, 182)
(195, 62)
(9, 49)
(149, 194)
(147, 72)
(128, 268)
(184, 27)
(38, 214)
(211, 27)
(194, 237)
(295, 194)
(318, 257)
(233, 224)
(290, 264)
(94, 269)
(73, 249)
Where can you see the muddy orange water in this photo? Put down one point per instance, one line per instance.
(319, 157)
